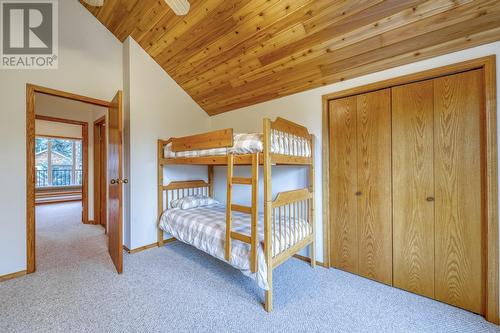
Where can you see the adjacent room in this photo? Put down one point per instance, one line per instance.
(70, 178)
(260, 165)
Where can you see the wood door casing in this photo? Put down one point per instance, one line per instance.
(413, 186)
(458, 105)
(115, 192)
(343, 166)
(103, 210)
(374, 182)
(100, 172)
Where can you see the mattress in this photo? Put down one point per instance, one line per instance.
(205, 229)
(251, 143)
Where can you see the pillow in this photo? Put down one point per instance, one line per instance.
(205, 200)
(246, 143)
(188, 202)
(174, 203)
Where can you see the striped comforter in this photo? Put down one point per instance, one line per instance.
(205, 229)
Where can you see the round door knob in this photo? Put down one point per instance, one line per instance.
(358, 193)
(113, 181)
(430, 199)
(125, 181)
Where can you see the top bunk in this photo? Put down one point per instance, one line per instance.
(282, 141)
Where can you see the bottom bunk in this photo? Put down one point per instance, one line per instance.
(205, 228)
(284, 228)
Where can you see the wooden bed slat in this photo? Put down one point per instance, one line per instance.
(215, 139)
(245, 159)
(241, 209)
(241, 237)
(242, 181)
(179, 185)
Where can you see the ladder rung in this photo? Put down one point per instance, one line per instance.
(241, 180)
(241, 237)
(242, 209)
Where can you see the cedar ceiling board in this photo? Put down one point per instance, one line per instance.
(281, 36)
(489, 21)
(333, 52)
(198, 67)
(350, 61)
(336, 45)
(421, 54)
(229, 54)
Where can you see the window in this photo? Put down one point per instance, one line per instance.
(58, 162)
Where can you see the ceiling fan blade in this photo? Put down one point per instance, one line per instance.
(180, 7)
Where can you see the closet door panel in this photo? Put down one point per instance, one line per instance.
(458, 103)
(343, 164)
(413, 187)
(374, 184)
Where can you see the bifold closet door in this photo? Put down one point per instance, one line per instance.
(343, 184)
(360, 188)
(374, 226)
(458, 119)
(413, 187)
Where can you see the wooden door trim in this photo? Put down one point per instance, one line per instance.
(85, 157)
(68, 95)
(488, 65)
(97, 165)
(31, 90)
(59, 120)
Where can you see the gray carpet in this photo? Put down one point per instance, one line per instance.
(177, 288)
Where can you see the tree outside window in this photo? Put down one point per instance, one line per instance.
(58, 162)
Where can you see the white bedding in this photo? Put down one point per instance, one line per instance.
(205, 229)
(251, 143)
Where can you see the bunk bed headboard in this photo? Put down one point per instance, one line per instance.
(216, 139)
(295, 137)
(289, 127)
(180, 189)
(177, 190)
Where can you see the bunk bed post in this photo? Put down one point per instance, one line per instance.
(211, 181)
(312, 207)
(255, 212)
(230, 163)
(160, 191)
(267, 214)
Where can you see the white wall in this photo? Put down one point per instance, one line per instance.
(156, 108)
(306, 107)
(58, 107)
(90, 63)
(50, 128)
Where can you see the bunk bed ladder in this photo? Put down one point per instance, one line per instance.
(252, 210)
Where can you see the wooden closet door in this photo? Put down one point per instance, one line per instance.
(458, 105)
(374, 185)
(343, 184)
(413, 187)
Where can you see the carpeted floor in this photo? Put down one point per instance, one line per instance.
(177, 288)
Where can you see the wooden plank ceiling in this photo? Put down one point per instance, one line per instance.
(228, 54)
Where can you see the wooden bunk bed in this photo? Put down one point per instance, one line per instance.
(283, 233)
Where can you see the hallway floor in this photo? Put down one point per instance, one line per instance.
(63, 240)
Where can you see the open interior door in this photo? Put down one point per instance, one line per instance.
(115, 191)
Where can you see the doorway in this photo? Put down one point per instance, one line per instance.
(114, 170)
(61, 161)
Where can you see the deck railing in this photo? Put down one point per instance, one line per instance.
(61, 177)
